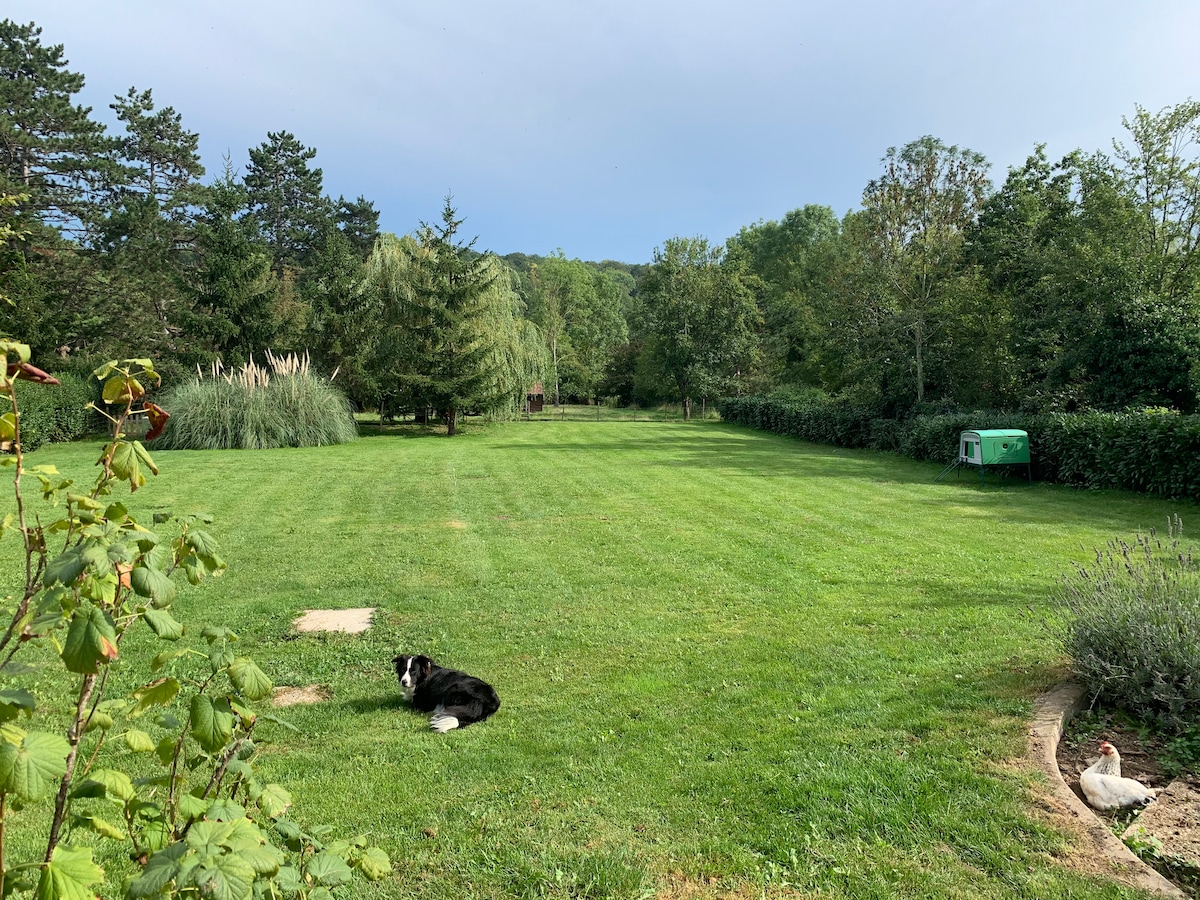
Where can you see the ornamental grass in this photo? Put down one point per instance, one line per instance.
(282, 404)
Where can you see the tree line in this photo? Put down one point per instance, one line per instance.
(1071, 285)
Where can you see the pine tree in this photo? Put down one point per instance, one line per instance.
(284, 197)
(452, 337)
(230, 286)
(50, 148)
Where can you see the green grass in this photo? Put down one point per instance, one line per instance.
(729, 662)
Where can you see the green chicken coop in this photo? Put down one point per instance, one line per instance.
(992, 448)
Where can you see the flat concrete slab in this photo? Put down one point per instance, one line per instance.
(348, 621)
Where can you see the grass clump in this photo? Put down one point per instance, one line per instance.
(256, 409)
(1131, 625)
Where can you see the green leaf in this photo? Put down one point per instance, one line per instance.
(163, 624)
(8, 427)
(99, 721)
(144, 455)
(220, 658)
(117, 785)
(139, 741)
(165, 657)
(192, 807)
(69, 875)
(101, 827)
(288, 879)
(214, 633)
(225, 811)
(21, 350)
(91, 640)
(327, 869)
(249, 679)
(202, 542)
(65, 568)
(274, 800)
(149, 582)
(28, 769)
(161, 870)
(155, 554)
(119, 390)
(321, 893)
(95, 557)
(212, 723)
(156, 835)
(157, 693)
(374, 864)
(125, 465)
(14, 701)
(165, 750)
(265, 860)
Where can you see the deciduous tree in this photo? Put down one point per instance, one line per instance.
(700, 316)
(918, 210)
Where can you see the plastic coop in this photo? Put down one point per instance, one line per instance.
(992, 448)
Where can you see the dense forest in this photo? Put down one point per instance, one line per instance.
(1073, 284)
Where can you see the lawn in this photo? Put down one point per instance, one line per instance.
(730, 663)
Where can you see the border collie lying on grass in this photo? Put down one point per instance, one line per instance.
(455, 698)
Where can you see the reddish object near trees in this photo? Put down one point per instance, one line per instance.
(158, 420)
(29, 372)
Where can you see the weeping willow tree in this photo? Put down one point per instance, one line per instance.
(453, 335)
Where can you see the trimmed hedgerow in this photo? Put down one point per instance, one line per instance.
(54, 413)
(1131, 625)
(1150, 451)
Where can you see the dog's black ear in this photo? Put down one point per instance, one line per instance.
(399, 662)
(425, 664)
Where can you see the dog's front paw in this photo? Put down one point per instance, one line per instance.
(443, 723)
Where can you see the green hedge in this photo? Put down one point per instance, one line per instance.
(54, 412)
(1147, 451)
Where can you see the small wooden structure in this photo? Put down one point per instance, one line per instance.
(535, 399)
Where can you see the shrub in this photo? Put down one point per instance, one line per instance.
(256, 409)
(1131, 625)
(54, 413)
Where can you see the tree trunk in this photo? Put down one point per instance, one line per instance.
(451, 417)
(920, 336)
(687, 409)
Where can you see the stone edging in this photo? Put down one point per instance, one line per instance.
(1051, 713)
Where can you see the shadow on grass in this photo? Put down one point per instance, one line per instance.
(741, 454)
(378, 703)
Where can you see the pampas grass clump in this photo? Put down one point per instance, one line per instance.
(254, 408)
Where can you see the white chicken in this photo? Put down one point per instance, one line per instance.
(1104, 787)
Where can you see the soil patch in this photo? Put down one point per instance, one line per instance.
(1168, 831)
(296, 696)
(348, 621)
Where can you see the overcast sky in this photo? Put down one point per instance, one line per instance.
(604, 128)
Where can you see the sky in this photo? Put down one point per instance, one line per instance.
(605, 128)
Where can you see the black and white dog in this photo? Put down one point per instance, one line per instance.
(456, 699)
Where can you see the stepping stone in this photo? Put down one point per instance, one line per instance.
(348, 621)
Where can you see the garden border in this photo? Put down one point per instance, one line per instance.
(1051, 713)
